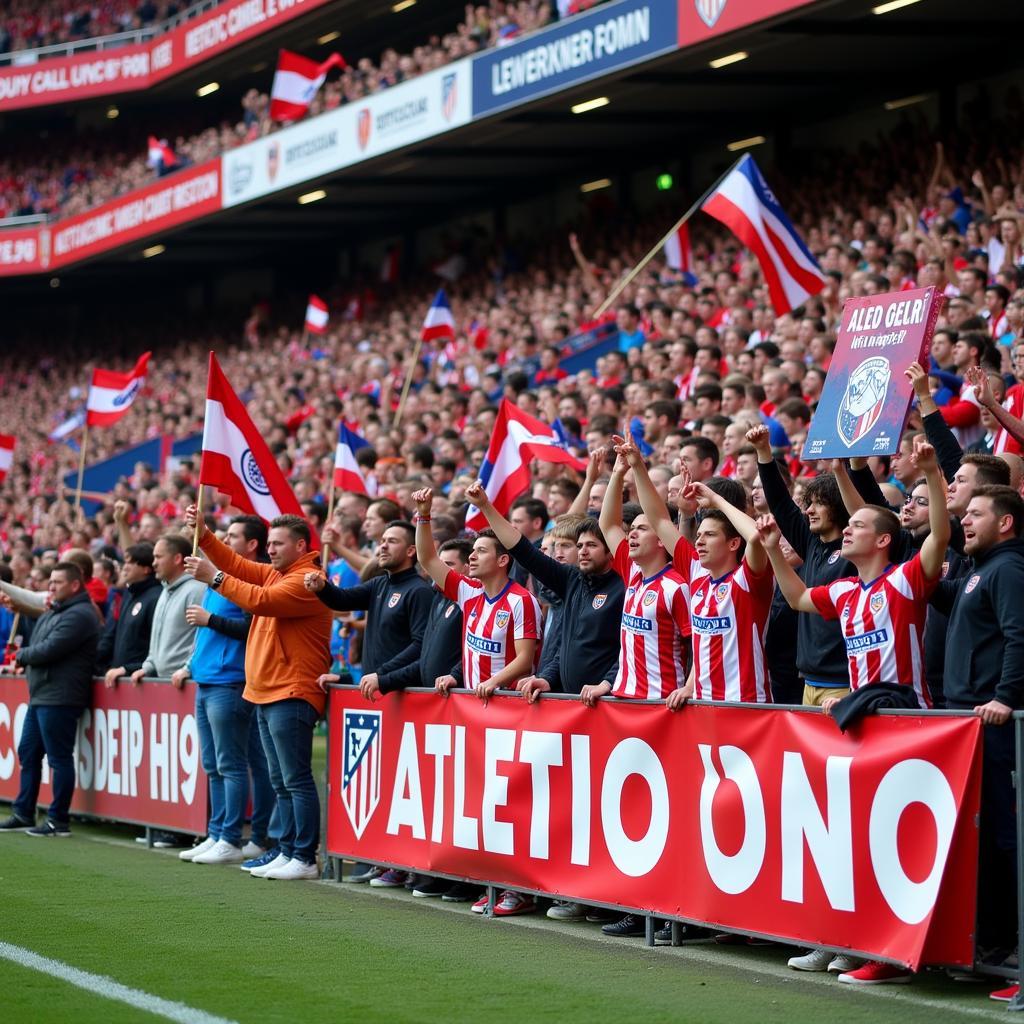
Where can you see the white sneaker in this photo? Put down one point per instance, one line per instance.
(841, 963)
(278, 862)
(566, 911)
(203, 847)
(813, 960)
(252, 850)
(222, 852)
(294, 870)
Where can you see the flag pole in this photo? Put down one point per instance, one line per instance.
(14, 628)
(199, 519)
(330, 500)
(81, 470)
(617, 290)
(408, 379)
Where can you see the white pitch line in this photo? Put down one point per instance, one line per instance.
(108, 988)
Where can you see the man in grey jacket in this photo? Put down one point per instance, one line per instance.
(58, 664)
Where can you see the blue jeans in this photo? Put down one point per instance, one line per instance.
(266, 826)
(49, 730)
(223, 718)
(286, 728)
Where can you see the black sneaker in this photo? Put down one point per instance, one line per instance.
(14, 824)
(690, 934)
(629, 927)
(50, 828)
(431, 887)
(413, 880)
(663, 936)
(461, 892)
(598, 915)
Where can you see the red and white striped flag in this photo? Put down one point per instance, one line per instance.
(347, 476)
(6, 455)
(160, 154)
(678, 254)
(439, 322)
(236, 459)
(296, 81)
(317, 315)
(112, 394)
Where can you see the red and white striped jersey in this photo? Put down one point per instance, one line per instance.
(491, 627)
(1014, 402)
(729, 617)
(654, 622)
(883, 623)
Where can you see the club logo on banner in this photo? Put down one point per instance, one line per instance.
(863, 400)
(128, 395)
(360, 781)
(449, 95)
(252, 474)
(710, 10)
(273, 161)
(364, 122)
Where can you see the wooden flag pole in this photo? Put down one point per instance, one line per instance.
(81, 471)
(199, 520)
(330, 500)
(14, 628)
(617, 290)
(408, 380)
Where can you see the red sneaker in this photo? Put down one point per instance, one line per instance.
(875, 973)
(481, 905)
(510, 903)
(1005, 995)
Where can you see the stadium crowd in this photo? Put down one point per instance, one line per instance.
(692, 427)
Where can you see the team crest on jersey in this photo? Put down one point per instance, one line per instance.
(599, 600)
(448, 611)
(136, 608)
(710, 10)
(877, 603)
(501, 619)
(834, 557)
(721, 591)
(394, 599)
(972, 583)
(650, 597)
(863, 400)
(361, 759)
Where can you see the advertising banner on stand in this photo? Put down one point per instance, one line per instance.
(866, 398)
(137, 756)
(704, 19)
(20, 251)
(750, 818)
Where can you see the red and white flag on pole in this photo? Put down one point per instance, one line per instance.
(296, 81)
(679, 255)
(236, 459)
(347, 476)
(160, 154)
(6, 455)
(112, 394)
(439, 322)
(317, 315)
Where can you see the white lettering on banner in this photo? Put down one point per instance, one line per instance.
(437, 743)
(464, 829)
(172, 741)
(407, 810)
(6, 753)
(908, 782)
(162, 55)
(634, 857)
(18, 250)
(604, 40)
(829, 844)
(499, 745)
(733, 873)
(542, 751)
(897, 314)
(579, 748)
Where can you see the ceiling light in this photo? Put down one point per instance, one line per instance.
(754, 140)
(907, 101)
(594, 186)
(892, 5)
(312, 197)
(328, 38)
(594, 104)
(153, 250)
(402, 5)
(112, 112)
(206, 90)
(729, 58)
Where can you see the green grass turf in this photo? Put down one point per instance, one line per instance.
(259, 951)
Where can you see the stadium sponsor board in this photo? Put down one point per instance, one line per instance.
(587, 46)
(167, 203)
(20, 251)
(754, 819)
(137, 755)
(136, 67)
(415, 110)
(866, 397)
(700, 20)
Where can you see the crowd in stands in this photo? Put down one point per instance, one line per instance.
(693, 426)
(83, 171)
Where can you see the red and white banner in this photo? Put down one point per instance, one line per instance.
(296, 81)
(317, 315)
(704, 19)
(137, 67)
(753, 819)
(20, 251)
(112, 394)
(7, 443)
(137, 757)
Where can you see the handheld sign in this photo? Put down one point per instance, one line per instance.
(866, 398)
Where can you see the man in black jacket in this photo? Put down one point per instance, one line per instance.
(59, 666)
(125, 641)
(984, 673)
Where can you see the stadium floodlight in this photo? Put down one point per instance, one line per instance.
(754, 140)
(112, 112)
(328, 38)
(594, 104)
(595, 186)
(153, 250)
(906, 101)
(729, 58)
(892, 5)
(206, 90)
(402, 5)
(312, 197)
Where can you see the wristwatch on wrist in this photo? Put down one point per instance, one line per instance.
(217, 581)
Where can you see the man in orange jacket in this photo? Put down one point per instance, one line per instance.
(287, 651)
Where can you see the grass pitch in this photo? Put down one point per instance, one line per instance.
(251, 950)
